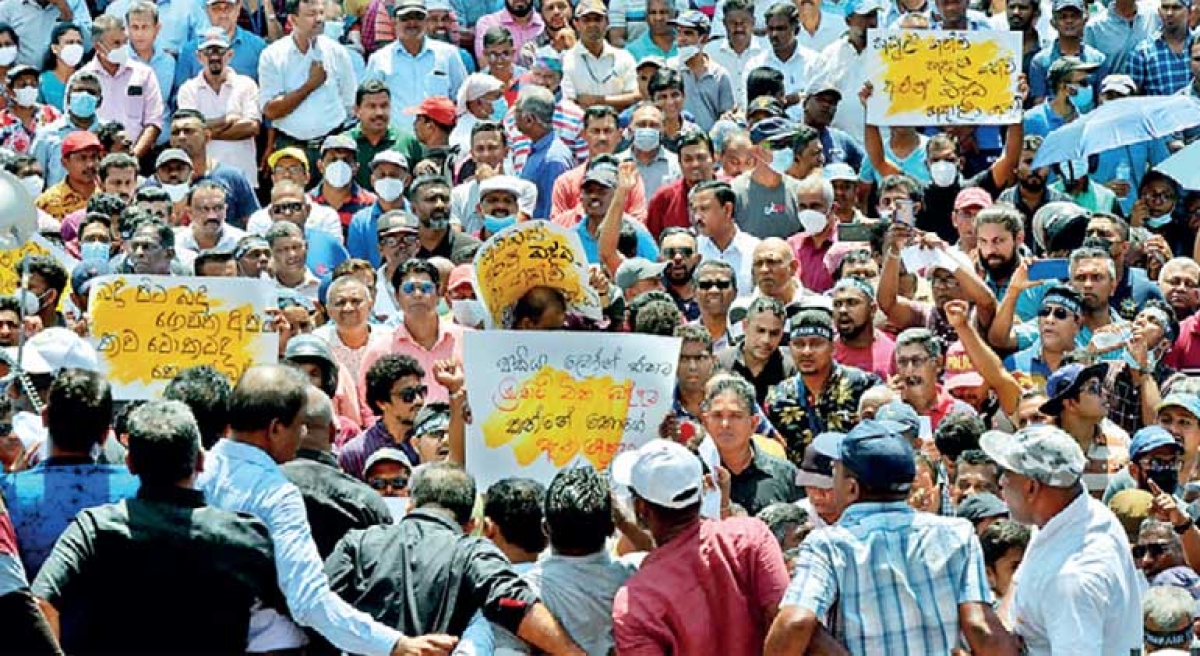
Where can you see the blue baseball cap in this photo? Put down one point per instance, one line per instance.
(1150, 438)
(899, 413)
(772, 129)
(1065, 384)
(1188, 402)
(852, 7)
(878, 456)
(981, 506)
(816, 469)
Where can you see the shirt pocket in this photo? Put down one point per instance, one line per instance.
(437, 83)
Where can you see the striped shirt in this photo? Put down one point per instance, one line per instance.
(568, 125)
(887, 579)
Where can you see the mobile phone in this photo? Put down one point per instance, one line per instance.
(853, 231)
(1051, 269)
(902, 212)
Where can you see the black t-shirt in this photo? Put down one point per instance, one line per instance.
(938, 210)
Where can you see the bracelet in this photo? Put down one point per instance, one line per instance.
(460, 394)
(1184, 527)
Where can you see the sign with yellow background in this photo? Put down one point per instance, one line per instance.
(10, 279)
(148, 328)
(933, 77)
(543, 401)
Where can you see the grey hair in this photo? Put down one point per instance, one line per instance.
(1185, 263)
(1093, 254)
(695, 333)
(878, 395)
(318, 407)
(1158, 529)
(722, 383)
(83, 76)
(923, 337)
(779, 516)
(715, 264)
(104, 24)
(1168, 606)
(342, 281)
(164, 441)
(281, 229)
(537, 102)
(812, 183)
(144, 7)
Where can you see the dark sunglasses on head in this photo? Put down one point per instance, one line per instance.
(396, 483)
(410, 394)
(1154, 550)
(719, 284)
(1059, 313)
(682, 251)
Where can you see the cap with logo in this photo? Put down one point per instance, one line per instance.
(959, 370)
(602, 172)
(1065, 296)
(1046, 454)
(636, 269)
(662, 472)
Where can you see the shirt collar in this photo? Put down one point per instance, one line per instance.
(316, 455)
(1070, 516)
(176, 496)
(247, 452)
(860, 511)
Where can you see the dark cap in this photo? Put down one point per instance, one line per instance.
(981, 506)
(772, 129)
(878, 457)
(765, 104)
(816, 469)
(309, 347)
(900, 413)
(87, 271)
(604, 173)
(1066, 382)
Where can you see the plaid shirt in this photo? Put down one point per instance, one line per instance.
(1125, 397)
(1157, 70)
(359, 199)
(887, 579)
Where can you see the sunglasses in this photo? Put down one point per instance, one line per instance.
(410, 287)
(1154, 550)
(395, 483)
(410, 394)
(719, 284)
(394, 240)
(683, 251)
(1059, 313)
(287, 208)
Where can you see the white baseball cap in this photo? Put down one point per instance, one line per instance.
(662, 472)
(63, 349)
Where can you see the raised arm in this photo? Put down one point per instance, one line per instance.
(610, 228)
(873, 140)
(984, 359)
(899, 310)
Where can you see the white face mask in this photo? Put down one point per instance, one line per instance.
(34, 184)
(119, 55)
(176, 191)
(468, 312)
(943, 173)
(338, 174)
(8, 55)
(388, 189)
(646, 139)
(26, 96)
(812, 221)
(71, 54)
(687, 52)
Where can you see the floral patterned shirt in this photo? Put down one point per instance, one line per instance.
(13, 133)
(800, 419)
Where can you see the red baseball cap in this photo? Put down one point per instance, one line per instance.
(438, 109)
(972, 197)
(80, 140)
(959, 370)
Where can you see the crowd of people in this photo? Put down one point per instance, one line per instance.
(930, 398)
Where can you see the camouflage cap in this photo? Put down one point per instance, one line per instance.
(1046, 454)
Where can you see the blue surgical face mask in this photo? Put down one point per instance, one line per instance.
(335, 29)
(781, 160)
(499, 108)
(494, 224)
(1158, 221)
(82, 104)
(1083, 100)
(94, 251)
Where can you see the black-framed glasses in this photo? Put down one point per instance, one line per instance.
(410, 394)
(398, 239)
(287, 208)
(1059, 313)
(382, 483)
(1152, 549)
(718, 284)
(682, 251)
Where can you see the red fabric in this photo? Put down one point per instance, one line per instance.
(668, 208)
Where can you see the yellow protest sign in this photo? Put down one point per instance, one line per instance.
(10, 279)
(933, 77)
(527, 255)
(543, 401)
(148, 328)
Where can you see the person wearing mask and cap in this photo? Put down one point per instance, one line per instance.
(766, 196)
(1071, 96)
(815, 475)
(837, 568)
(390, 175)
(1078, 588)
(24, 116)
(500, 203)
(79, 155)
(82, 277)
(710, 90)
(291, 165)
(1154, 455)
(338, 190)
(1179, 414)
(173, 172)
(480, 98)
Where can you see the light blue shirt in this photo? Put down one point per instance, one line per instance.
(591, 248)
(1116, 37)
(47, 146)
(915, 165)
(163, 65)
(243, 478)
(34, 22)
(181, 21)
(436, 70)
(247, 48)
(643, 47)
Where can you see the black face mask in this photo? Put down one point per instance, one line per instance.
(1166, 479)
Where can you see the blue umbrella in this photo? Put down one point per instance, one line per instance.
(1119, 123)
(1183, 166)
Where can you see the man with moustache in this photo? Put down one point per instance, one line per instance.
(1059, 321)
(716, 289)
(1031, 193)
(517, 18)
(711, 206)
(1179, 281)
(429, 197)
(677, 248)
(1134, 286)
(920, 359)
(999, 233)
(859, 343)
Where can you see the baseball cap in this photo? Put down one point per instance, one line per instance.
(652, 60)
(387, 454)
(1064, 66)
(87, 271)
(823, 84)
(508, 183)
(816, 468)
(901, 413)
(62, 348)
(292, 152)
(19, 70)
(662, 472)
(772, 129)
(172, 155)
(636, 269)
(548, 58)
(840, 171)
(1044, 453)
(390, 156)
(339, 142)
(431, 418)
(862, 7)
(476, 86)
(765, 104)
(1118, 83)
(586, 7)
(80, 140)
(438, 109)
(603, 172)
(878, 456)
(980, 506)
(213, 36)
(1131, 507)
(1150, 438)
(309, 346)
(1066, 382)
(972, 197)
(1060, 225)
(1069, 4)
(405, 7)
(959, 370)
(459, 276)
(396, 220)
(1188, 402)
(692, 18)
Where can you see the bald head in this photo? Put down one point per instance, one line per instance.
(318, 418)
(267, 394)
(775, 269)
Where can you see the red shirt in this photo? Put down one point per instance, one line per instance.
(813, 273)
(876, 360)
(668, 208)
(708, 591)
(1185, 355)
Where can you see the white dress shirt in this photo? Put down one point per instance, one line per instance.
(320, 217)
(282, 68)
(841, 64)
(797, 72)
(237, 96)
(613, 72)
(737, 65)
(739, 255)
(831, 27)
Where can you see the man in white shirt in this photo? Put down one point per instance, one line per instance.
(229, 102)
(739, 47)
(594, 72)
(291, 165)
(712, 204)
(1077, 589)
(842, 63)
(787, 56)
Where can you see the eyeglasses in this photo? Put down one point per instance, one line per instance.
(683, 251)
(410, 287)
(410, 394)
(719, 284)
(396, 239)
(294, 169)
(1059, 313)
(380, 483)
(1153, 549)
(912, 362)
(287, 208)
(1160, 195)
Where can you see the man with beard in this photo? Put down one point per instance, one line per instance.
(759, 359)
(1179, 281)
(678, 249)
(716, 288)
(1031, 193)
(999, 233)
(429, 197)
(859, 343)
(669, 205)
(517, 18)
(920, 359)
(823, 395)
(1078, 405)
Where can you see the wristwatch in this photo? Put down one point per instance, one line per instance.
(1180, 529)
